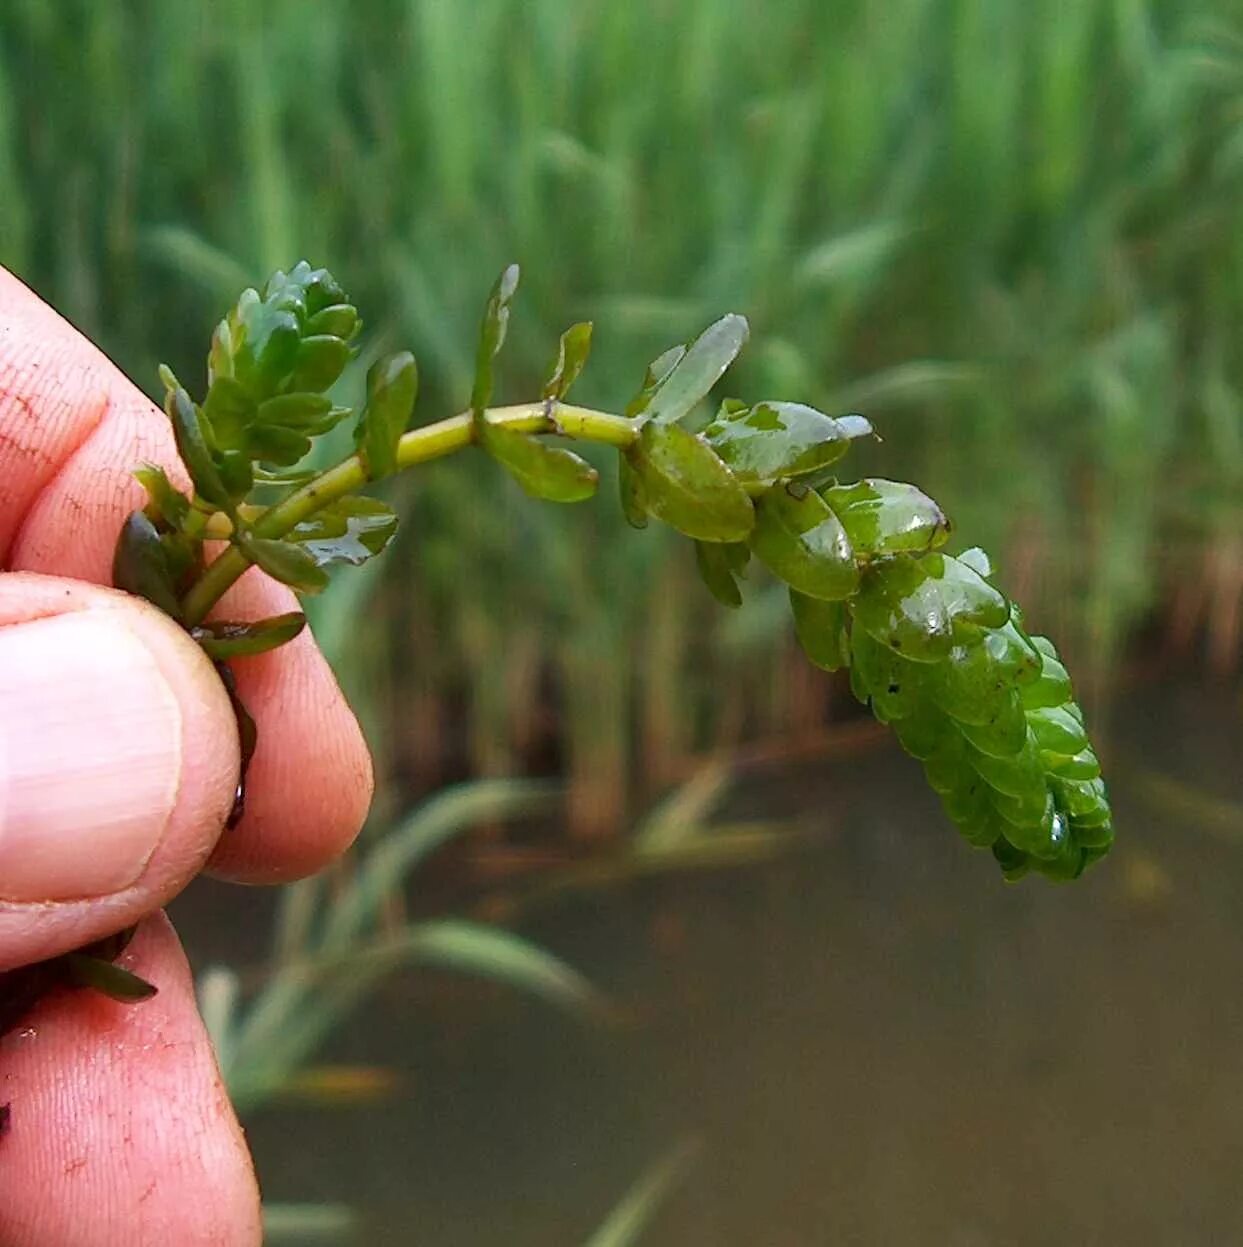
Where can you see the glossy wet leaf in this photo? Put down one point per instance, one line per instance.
(549, 472)
(887, 517)
(392, 386)
(688, 487)
(799, 539)
(1052, 686)
(193, 449)
(572, 354)
(978, 561)
(1081, 797)
(968, 597)
(1083, 765)
(349, 531)
(140, 565)
(1018, 775)
(103, 976)
(698, 370)
(1044, 835)
(900, 604)
(1034, 810)
(657, 372)
(979, 675)
(773, 441)
(713, 562)
(221, 640)
(164, 499)
(1004, 732)
(285, 561)
(1057, 730)
(822, 629)
(492, 332)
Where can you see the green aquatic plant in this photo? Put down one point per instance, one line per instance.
(931, 643)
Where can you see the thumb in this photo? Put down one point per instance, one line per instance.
(118, 763)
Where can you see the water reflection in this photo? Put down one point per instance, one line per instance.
(875, 1040)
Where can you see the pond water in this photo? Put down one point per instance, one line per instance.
(872, 1040)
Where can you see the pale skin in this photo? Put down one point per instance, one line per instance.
(118, 763)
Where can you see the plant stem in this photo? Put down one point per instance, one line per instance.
(432, 441)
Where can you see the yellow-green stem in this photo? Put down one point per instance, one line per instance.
(432, 441)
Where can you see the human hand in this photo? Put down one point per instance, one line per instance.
(118, 764)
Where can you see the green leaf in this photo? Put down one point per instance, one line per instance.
(978, 561)
(284, 561)
(772, 441)
(894, 685)
(351, 530)
(968, 597)
(713, 560)
(900, 605)
(166, 501)
(1083, 765)
(549, 472)
(979, 674)
(304, 412)
(571, 356)
(228, 410)
(193, 449)
(822, 630)
(1053, 687)
(338, 319)
(799, 539)
(392, 385)
(887, 517)
(103, 976)
(322, 289)
(222, 641)
(657, 372)
(237, 472)
(633, 495)
(688, 486)
(140, 565)
(283, 447)
(915, 604)
(698, 370)
(492, 337)
(321, 359)
(266, 343)
(1058, 731)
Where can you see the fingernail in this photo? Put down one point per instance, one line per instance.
(90, 757)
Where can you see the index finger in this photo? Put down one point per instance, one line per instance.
(72, 429)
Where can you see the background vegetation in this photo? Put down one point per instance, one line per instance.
(1008, 232)
(1011, 232)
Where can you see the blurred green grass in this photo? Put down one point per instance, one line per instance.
(1008, 231)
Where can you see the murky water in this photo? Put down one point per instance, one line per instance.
(875, 1041)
